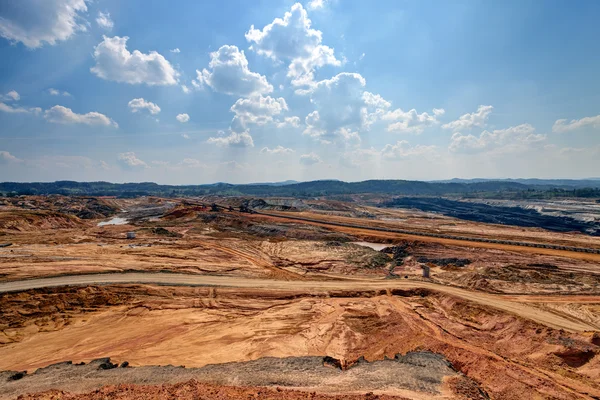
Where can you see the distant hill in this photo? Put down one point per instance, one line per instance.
(301, 189)
(562, 183)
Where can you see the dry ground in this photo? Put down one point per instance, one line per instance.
(512, 322)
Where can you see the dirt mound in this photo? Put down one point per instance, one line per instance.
(23, 221)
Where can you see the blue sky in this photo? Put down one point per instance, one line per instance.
(196, 92)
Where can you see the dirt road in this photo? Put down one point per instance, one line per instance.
(509, 304)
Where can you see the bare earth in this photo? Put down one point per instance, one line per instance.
(267, 307)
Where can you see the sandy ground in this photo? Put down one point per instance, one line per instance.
(505, 304)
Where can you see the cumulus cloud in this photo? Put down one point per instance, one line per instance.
(563, 125)
(115, 63)
(256, 109)
(515, 138)
(234, 139)
(277, 150)
(228, 73)
(34, 22)
(104, 21)
(64, 115)
(7, 158)
(13, 95)
(175, 50)
(310, 159)
(342, 105)
(56, 92)
(129, 160)
(183, 118)
(467, 121)
(292, 39)
(136, 105)
(411, 121)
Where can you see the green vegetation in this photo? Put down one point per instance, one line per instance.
(489, 189)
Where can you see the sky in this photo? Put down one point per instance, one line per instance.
(193, 92)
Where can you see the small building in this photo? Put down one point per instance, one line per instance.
(130, 235)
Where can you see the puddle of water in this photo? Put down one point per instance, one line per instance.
(374, 246)
(114, 221)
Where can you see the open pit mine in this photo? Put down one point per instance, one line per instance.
(216, 297)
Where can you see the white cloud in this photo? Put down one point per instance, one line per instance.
(315, 4)
(277, 150)
(234, 139)
(185, 89)
(256, 109)
(13, 95)
(136, 105)
(175, 50)
(402, 149)
(310, 159)
(56, 92)
(361, 57)
(7, 158)
(129, 160)
(115, 63)
(33, 22)
(18, 110)
(293, 122)
(182, 118)
(104, 21)
(513, 139)
(341, 103)
(292, 39)
(64, 115)
(411, 121)
(467, 121)
(562, 126)
(185, 136)
(228, 73)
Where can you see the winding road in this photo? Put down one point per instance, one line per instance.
(511, 304)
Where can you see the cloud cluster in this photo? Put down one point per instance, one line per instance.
(411, 121)
(136, 105)
(115, 63)
(342, 108)
(467, 121)
(34, 22)
(64, 115)
(293, 40)
(515, 138)
(234, 139)
(563, 125)
(228, 73)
